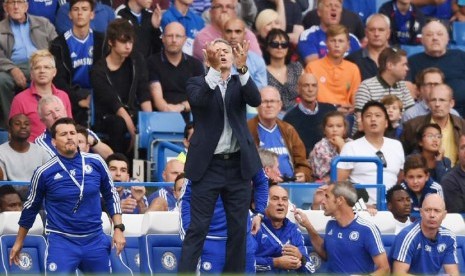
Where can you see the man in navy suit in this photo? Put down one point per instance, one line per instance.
(222, 157)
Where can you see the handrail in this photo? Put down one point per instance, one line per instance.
(380, 193)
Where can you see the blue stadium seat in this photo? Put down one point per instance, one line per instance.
(412, 49)
(379, 3)
(33, 252)
(3, 136)
(160, 253)
(458, 32)
(461, 253)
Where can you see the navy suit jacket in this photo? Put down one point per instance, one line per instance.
(208, 112)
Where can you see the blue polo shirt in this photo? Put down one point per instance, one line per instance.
(192, 22)
(23, 46)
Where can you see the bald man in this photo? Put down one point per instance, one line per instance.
(435, 39)
(269, 132)
(169, 71)
(307, 116)
(425, 246)
(166, 196)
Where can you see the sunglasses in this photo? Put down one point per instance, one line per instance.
(381, 156)
(276, 44)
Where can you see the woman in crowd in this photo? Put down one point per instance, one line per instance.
(281, 72)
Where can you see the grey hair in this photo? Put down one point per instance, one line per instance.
(46, 100)
(221, 40)
(380, 15)
(347, 190)
(267, 157)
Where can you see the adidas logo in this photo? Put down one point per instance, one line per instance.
(73, 55)
(57, 176)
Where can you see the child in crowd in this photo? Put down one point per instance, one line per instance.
(394, 108)
(335, 129)
(418, 183)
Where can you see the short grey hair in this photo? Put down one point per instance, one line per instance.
(46, 100)
(347, 190)
(267, 157)
(380, 15)
(222, 40)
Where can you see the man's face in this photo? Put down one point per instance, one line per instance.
(435, 39)
(119, 171)
(399, 69)
(377, 32)
(234, 32)
(173, 38)
(462, 152)
(400, 204)
(20, 128)
(172, 170)
(278, 203)
(51, 112)
(329, 203)
(83, 143)
(11, 202)
(43, 71)
(221, 11)
(273, 172)
(308, 88)
(226, 55)
(430, 80)
(330, 12)
(271, 104)
(374, 121)
(65, 140)
(81, 14)
(337, 45)
(122, 49)
(178, 188)
(16, 9)
(440, 102)
(432, 212)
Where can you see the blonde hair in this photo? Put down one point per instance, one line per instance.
(265, 17)
(44, 53)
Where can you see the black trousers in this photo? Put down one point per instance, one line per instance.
(223, 177)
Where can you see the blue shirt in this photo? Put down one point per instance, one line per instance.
(272, 139)
(257, 69)
(23, 47)
(81, 53)
(313, 41)
(270, 242)
(350, 249)
(423, 255)
(192, 22)
(431, 187)
(53, 184)
(166, 194)
(442, 11)
(364, 8)
(45, 8)
(127, 193)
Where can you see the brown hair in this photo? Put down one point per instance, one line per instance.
(390, 55)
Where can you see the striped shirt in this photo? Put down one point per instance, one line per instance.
(376, 88)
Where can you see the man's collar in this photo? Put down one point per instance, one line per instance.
(385, 84)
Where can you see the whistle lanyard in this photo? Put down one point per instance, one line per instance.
(273, 235)
(80, 186)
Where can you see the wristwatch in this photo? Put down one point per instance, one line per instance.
(242, 70)
(120, 227)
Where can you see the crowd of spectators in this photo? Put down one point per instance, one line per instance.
(333, 76)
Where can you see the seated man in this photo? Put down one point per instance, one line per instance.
(161, 202)
(453, 183)
(51, 109)
(273, 134)
(399, 204)
(172, 169)
(426, 247)
(280, 244)
(10, 200)
(18, 157)
(21, 35)
(133, 201)
(43, 70)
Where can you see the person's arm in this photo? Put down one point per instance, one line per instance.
(138, 193)
(281, 10)
(451, 269)
(118, 236)
(18, 245)
(299, 158)
(129, 124)
(343, 174)
(381, 264)
(400, 268)
(159, 102)
(260, 194)
(158, 204)
(316, 240)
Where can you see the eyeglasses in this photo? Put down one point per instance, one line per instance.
(227, 7)
(431, 136)
(381, 156)
(12, 3)
(266, 102)
(276, 44)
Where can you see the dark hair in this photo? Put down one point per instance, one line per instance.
(382, 107)
(420, 77)
(118, 157)
(82, 130)
(61, 121)
(392, 55)
(74, 2)
(415, 161)
(272, 35)
(332, 114)
(7, 190)
(422, 131)
(392, 190)
(180, 176)
(10, 121)
(121, 30)
(189, 126)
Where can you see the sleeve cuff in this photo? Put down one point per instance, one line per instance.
(244, 78)
(213, 77)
